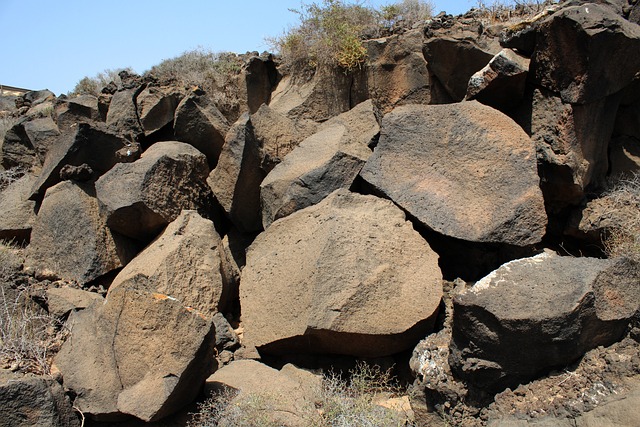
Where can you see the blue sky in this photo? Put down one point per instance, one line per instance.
(53, 44)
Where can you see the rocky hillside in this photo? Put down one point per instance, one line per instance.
(446, 209)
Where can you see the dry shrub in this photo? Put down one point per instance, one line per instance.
(93, 85)
(495, 11)
(331, 33)
(340, 403)
(29, 337)
(9, 176)
(215, 72)
(623, 236)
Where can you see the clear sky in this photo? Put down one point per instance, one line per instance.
(53, 44)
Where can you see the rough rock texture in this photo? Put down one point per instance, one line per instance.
(329, 159)
(327, 94)
(582, 52)
(70, 111)
(62, 301)
(33, 401)
(277, 135)
(538, 313)
(123, 114)
(236, 179)
(260, 77)
(199, 122)
(397, 71)
(16, 211)
(70, 239)
(17, 148)
(139, 353)
(454, 60)
(501, 83)
(571, 144)
(156, 107)
(140, 198)
(464, 170)
(184, 263)
(42, 132)
(289, 400)
(348, 275)
(86, 143)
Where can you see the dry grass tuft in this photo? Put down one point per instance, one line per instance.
(623, 237)
(29, 337)
(509, 11)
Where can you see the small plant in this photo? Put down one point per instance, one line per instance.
(494, 11)
(406, 13)
(9, 176)
(223, 409)
(623, 201)
(93, 85)
(28, 336)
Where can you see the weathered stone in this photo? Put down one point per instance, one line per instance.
(454, 60)
(156, 107)
(140, 198)
(330, 92)
(139, 353)
(184, 263)
(70, 111)
(62, 301)
(397, 72)
(582, 52)
(539, 313)
(571, 143)
(340, 277)
(226, 337)
(35, 97)
(82, 173)
(16, 211)
(198, 122)
(288, 395)
(501, 83)
(327, 160)
(122, 115)
(34, 401)
(87, 143)
(260, 77)
(278, 135)
(236, 179)
(42, 132)
(69, 238)
(17, 148)
(463, 170)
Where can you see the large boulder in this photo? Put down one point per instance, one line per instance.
(140, 198)
(571, 143)
(70, 239)
(62, 301)
(582, 53)
(463, 170)
(17, 213)
(199, 122)
(122, 115)
(185, 263)
(17, 148)
(236, 179)
(69, 111)
(330, 92)
(397, 72)
(260, 77)
(327, 160)
(346, 276)
(42, 132)
(538, 313)
(34, 401)
(139, 353)
(289, 399)
(86, 143)
(156, 107)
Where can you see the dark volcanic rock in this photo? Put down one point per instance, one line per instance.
(138, 353)
(140, 198)
(346, 276)
(463, 170)
(539, 313)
